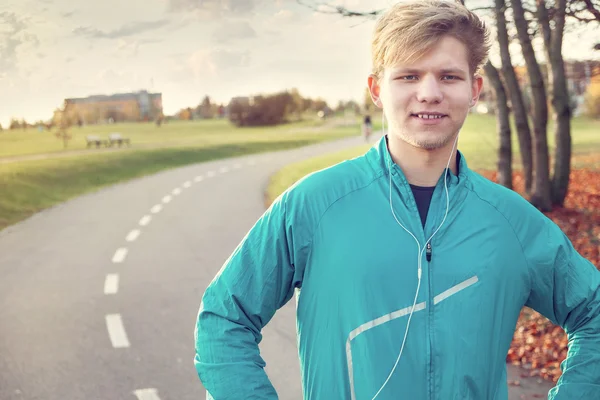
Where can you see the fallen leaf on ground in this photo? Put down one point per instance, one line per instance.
(538, 345)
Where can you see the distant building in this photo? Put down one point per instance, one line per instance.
(122, 107)
(579, 75)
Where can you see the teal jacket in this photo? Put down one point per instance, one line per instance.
(332, 240)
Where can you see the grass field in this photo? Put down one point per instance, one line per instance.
(478, 141)
(142, 135)
(27, 187)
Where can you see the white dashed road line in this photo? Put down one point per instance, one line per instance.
(111, 284)
(114, 322)
(116, 331)
(120, 255)
(147, 394)
(133, 235)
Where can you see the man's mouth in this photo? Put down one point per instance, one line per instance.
(429, 115)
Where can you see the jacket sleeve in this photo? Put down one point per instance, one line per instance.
(565, 289)
(258, 278)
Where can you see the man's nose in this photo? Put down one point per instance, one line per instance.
(429, 90)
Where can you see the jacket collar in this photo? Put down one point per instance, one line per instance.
(380, 158)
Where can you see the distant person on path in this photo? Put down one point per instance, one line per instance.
(367, 127)
(409, 269)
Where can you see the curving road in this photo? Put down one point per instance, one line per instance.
(98, 296)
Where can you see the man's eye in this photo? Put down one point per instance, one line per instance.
(408, 77)
(450, 78)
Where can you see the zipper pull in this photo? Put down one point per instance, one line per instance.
(428, 252)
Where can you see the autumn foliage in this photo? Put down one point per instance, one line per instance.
(538, 345)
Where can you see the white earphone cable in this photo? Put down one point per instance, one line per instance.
(420, 250)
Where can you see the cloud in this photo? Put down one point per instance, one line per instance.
(68, 14)
(118, 80)
(11, 40)
(214, 61)
(214, 8)
(15, 24)
(230, 31)
(131, 29)
(283, 18)
(208, 63)
(131, 47)
(285, 15)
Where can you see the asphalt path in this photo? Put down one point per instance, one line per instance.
(99, 295)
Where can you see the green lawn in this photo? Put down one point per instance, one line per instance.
(142, 135)
(27, 187)
(478, 141)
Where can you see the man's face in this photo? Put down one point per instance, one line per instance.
(426, 102)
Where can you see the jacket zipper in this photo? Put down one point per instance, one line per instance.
(429, 252)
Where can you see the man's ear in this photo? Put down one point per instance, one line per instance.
(476, 88)
(374, 90)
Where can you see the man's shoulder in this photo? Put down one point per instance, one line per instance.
(321, 188)
(506, 201)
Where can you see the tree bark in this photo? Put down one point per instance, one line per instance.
(560, 98)
(516, 96)
(541, 197)
(503, 126)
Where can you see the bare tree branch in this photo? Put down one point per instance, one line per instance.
(594, 9)
(581, 19)
(581, 10)
(326, 8)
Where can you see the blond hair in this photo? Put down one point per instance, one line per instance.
(409, 29)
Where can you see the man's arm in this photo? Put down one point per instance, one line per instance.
(257, 279)
(565, 289)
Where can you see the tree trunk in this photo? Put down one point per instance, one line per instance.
(560, 98)
(541, 191)
(516, 97)
(503, 126)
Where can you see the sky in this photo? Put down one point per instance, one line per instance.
(185, 49)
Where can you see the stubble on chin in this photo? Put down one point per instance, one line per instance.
(424, 142)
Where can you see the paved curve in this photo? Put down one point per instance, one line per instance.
(99, 295)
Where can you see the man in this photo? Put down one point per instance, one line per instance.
(410, 269)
